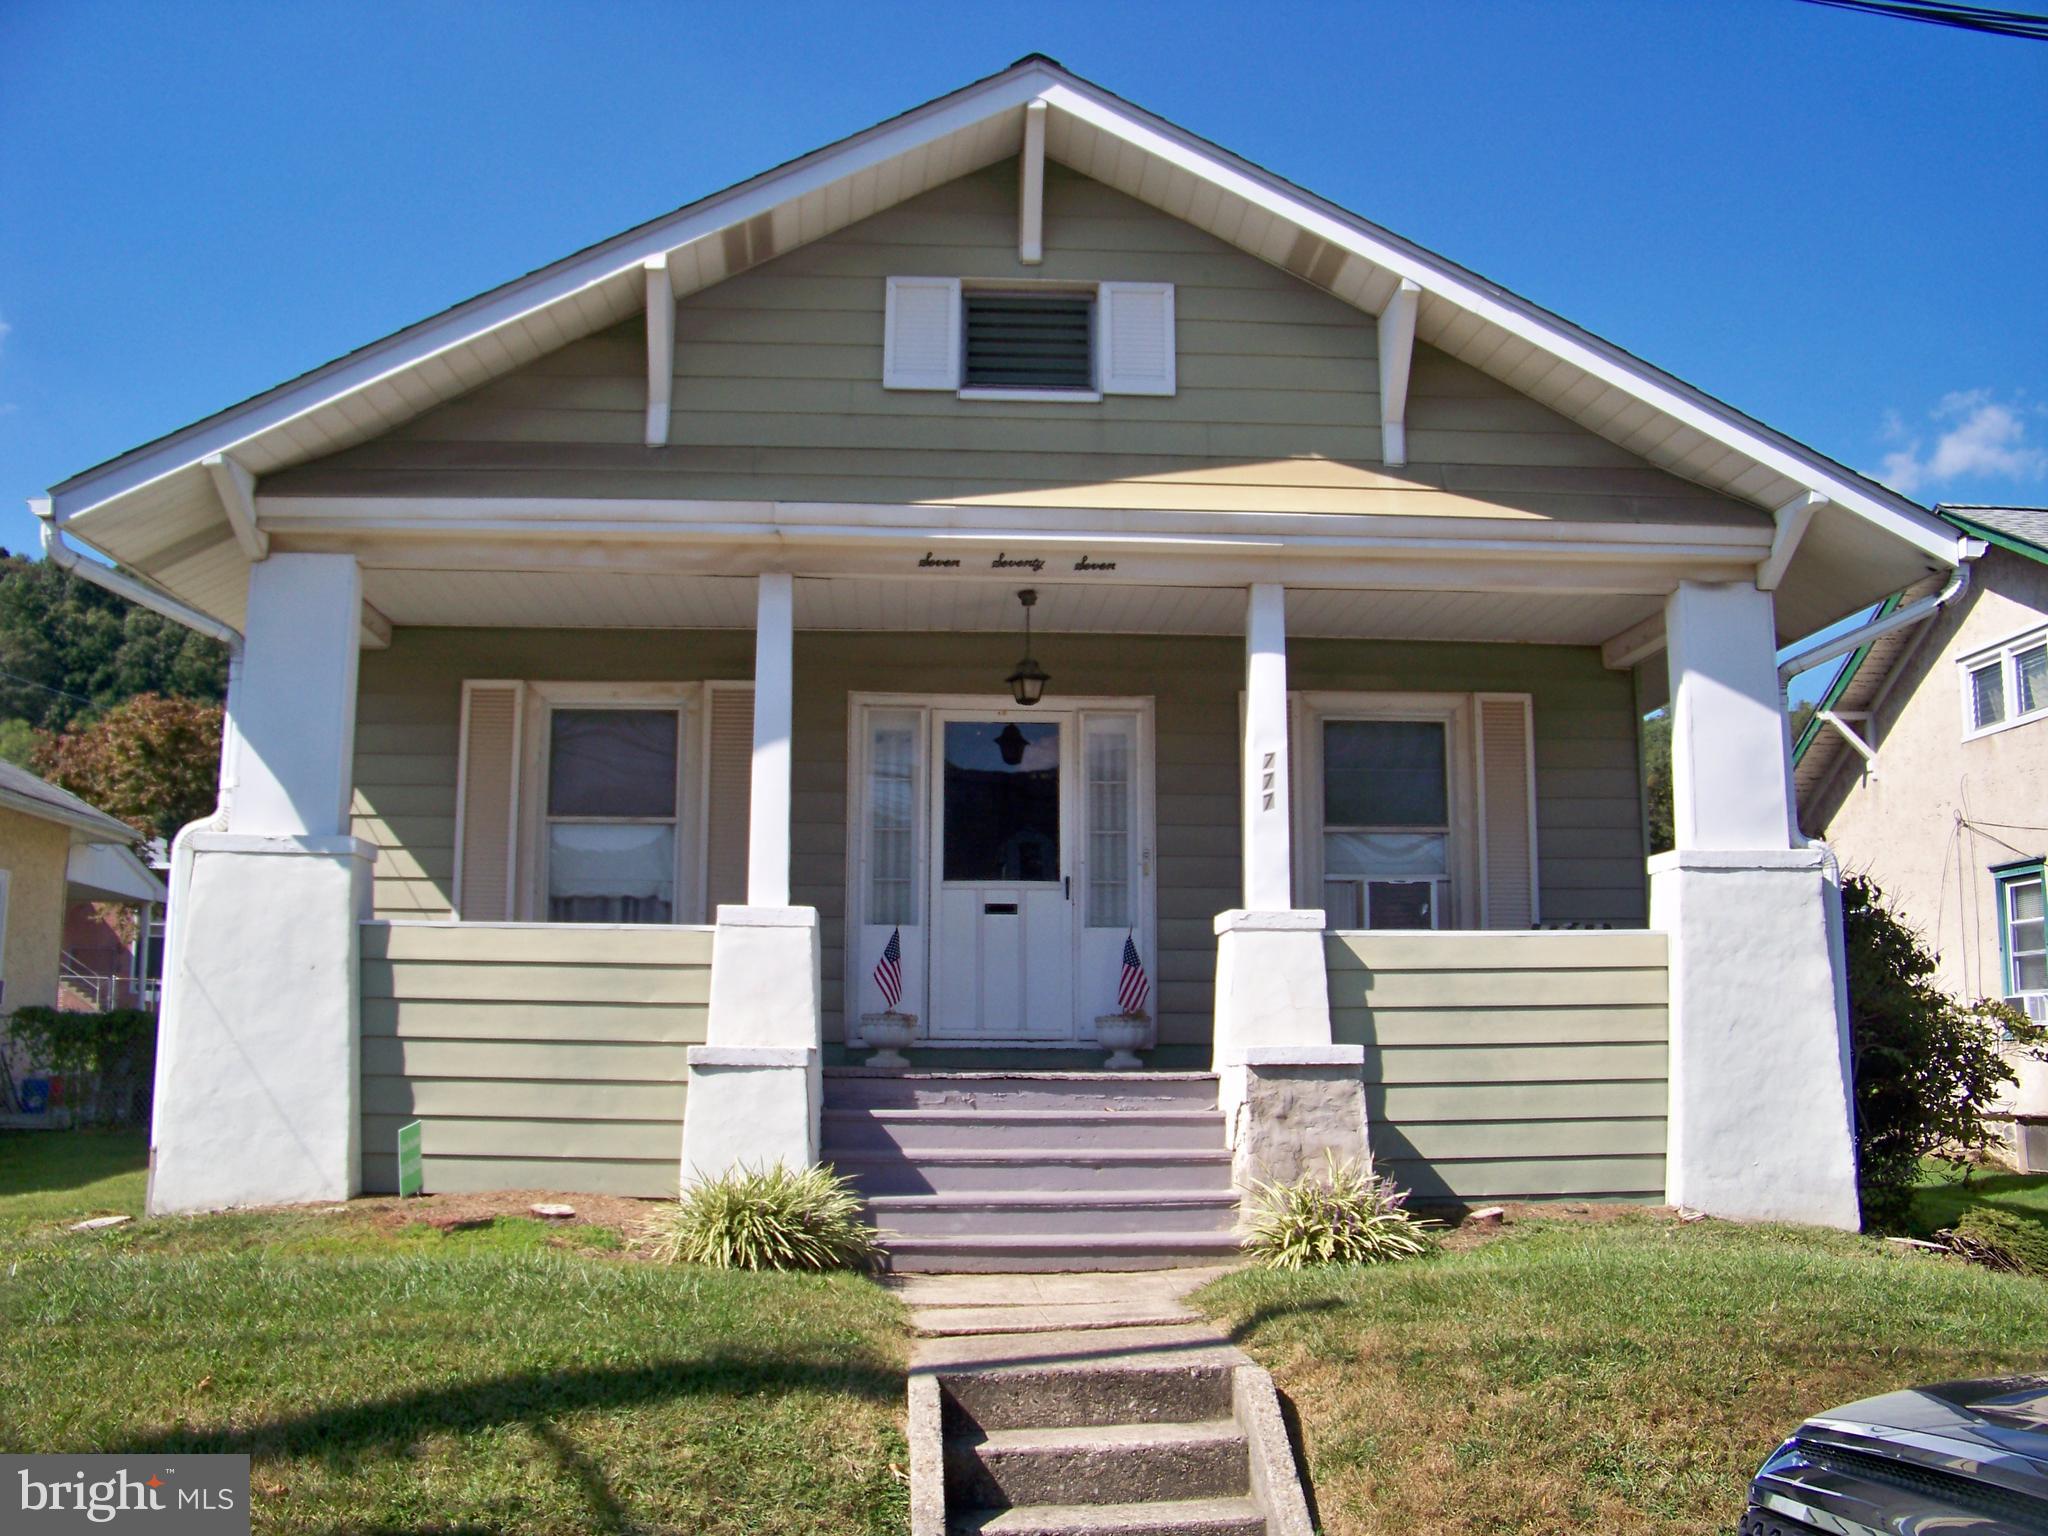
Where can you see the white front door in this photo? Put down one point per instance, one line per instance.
(1008, 851)
(1002, 867)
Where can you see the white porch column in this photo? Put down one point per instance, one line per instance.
(1287, 1090)
(756, 1084)
(257, 1069)
(1761, 1124)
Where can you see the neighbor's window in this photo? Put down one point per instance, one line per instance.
(2008, 685)
(1029, 341)
(2025, 931)
(611, 815)
(1386, 823)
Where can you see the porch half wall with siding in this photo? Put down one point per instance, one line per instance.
(534, 1057)
(1589, 817)
(1502, 1066)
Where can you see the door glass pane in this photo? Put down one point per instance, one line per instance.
(1107, 789)
(1987, 694)
(2033, 678)
(1002, 801)
(892, 798)
(607, 873)
(612, 762)
(1384, 773)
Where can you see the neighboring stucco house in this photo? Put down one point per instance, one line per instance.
(1927, 768)
(623, 657)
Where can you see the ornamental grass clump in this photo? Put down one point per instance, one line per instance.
(766, 1218)
(1344, 1214)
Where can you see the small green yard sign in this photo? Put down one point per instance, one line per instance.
(411, 1178)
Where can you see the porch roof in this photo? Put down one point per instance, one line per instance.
(161, 506)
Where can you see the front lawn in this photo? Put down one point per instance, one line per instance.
(1628, 1375)
(1946, 1190)
(486, 1373)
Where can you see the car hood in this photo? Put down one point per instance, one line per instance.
(1998, 1417)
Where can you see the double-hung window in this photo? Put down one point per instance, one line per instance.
(1386, 823)
(613, 814)
(2005, 685)
(2023, 932)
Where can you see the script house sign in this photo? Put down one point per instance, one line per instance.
(1004, 561)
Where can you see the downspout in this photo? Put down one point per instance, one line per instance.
(1912, 613)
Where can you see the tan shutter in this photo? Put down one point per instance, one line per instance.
(729, 775)
(1135, 332)
(487, 807)
(1507, 812)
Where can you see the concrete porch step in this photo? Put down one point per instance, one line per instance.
(975, 1170)
(919, 1130)
(1098, 1464)
(858, 1087)
(1180, 1517)
(1042, 1254)
(1165, 1214)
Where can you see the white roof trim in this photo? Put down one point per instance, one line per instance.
(1443, 283)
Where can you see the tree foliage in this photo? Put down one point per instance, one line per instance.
(70, 650)
(1928, 1066)
(152, 762)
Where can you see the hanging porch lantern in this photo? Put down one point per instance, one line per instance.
(1027, 682)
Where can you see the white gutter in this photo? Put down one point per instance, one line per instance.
(1967, 551)
(65, 558)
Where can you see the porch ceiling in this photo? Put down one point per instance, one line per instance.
(633, 600)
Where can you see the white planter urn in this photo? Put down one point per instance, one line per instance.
(891, 1032)
(1125, 1034)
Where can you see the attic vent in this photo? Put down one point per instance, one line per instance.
(1035, 341)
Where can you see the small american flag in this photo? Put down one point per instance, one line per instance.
(889, 972)
(1132, 991)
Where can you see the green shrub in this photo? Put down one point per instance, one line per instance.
(1345, 1214)
(771, 1218)
(1928, 1067)
(108, 1056)
(2002, 1241)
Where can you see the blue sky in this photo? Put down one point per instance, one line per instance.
(1837, 222)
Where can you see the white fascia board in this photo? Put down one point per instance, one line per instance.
(1444, 280)
(537, 291)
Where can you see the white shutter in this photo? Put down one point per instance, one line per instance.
(921, 333)
(487, 804)
(1507, 811)
(1136, 338)
(728, 793)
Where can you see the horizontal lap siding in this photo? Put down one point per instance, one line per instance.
(549, 1058)
(1510, 1066)
(778, 395)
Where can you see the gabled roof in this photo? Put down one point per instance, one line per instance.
(158, 503)
(22, 791)
(1860, 679)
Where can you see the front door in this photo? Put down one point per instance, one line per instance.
(1002, 963)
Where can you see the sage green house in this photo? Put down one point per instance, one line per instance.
(1015, 574)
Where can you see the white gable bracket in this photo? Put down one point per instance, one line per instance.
(236, 488)
(661, 348)
(1397, 354)
(1031, 187)
(1639, 642)
(1863, 748)
(1792, 519)
(376, 634)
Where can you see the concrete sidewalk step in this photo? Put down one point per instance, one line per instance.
(1098, 1464)
(855, 1088)
(1181, 1375)
(918, 1130)
(1037, 1317)
(1049, 1253)
(1056, 1214)
(1180, 1517)
(973, 1170)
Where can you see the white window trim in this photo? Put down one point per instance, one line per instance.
(2003, 653)
(545, 698)
(1452, 710)
(2007, 951)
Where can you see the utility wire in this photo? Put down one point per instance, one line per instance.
(1942, 13)
(29, 682)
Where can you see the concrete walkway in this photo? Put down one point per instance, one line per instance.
(969, 1306)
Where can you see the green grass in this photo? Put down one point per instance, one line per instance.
(1946, 1190)
(507, 1376)
(1578, 1377)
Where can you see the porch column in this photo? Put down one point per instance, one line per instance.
(1287, 1089)
(756, 1084)
(257, 1070)
(1761, 1124)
